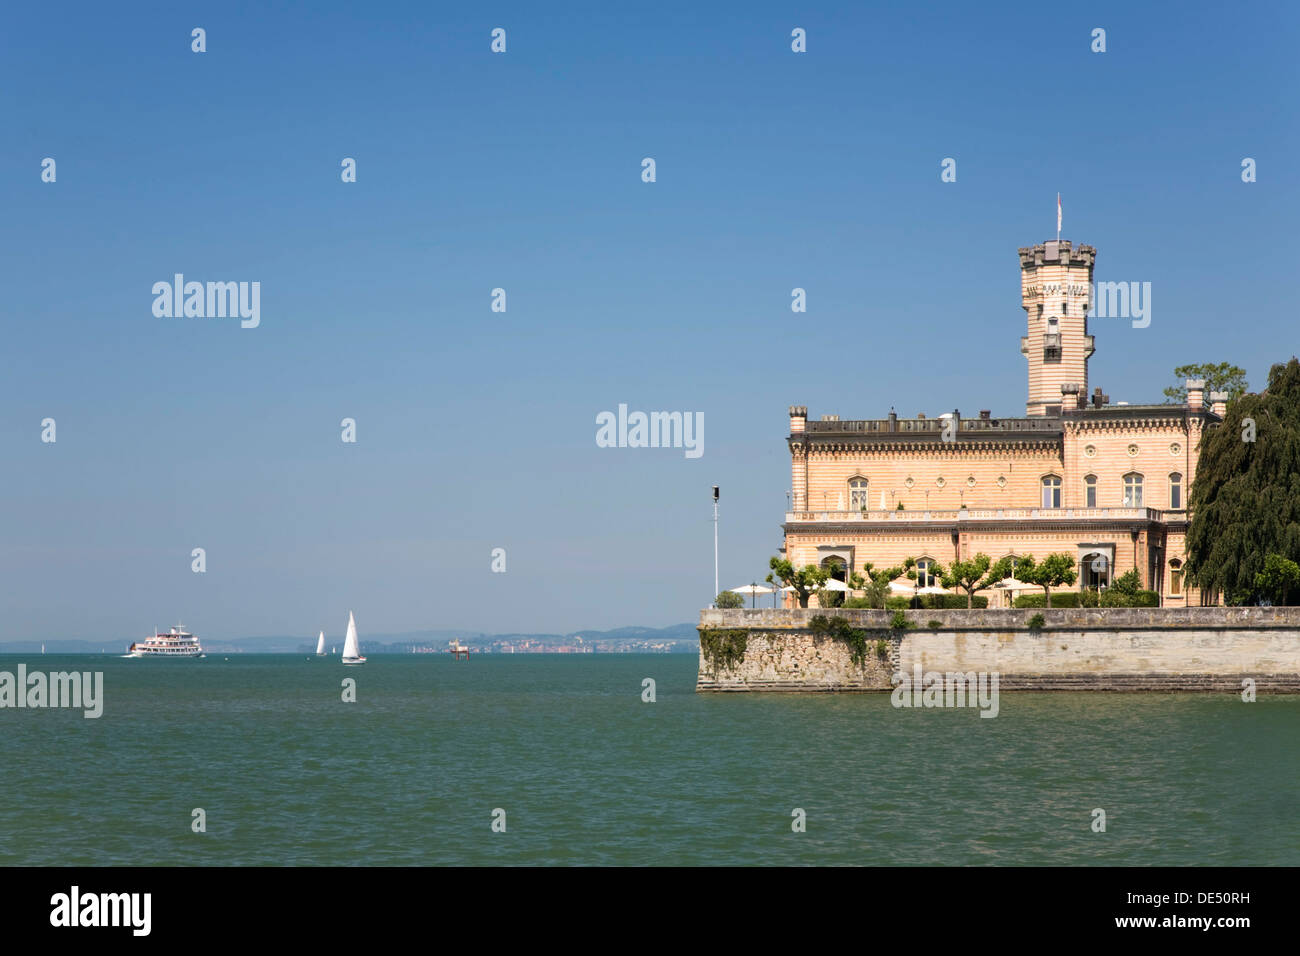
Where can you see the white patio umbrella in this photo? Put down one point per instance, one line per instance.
(752, 590)
(833, 585)
(932, 589)
(1013, 585)
(898, 587)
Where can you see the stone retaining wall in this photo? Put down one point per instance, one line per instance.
(1198, 648)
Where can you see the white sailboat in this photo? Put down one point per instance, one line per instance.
(351, 650)
(320, 644)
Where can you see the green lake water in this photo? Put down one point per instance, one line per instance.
(588, 773)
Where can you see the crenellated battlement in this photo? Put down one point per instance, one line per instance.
(1056, 252)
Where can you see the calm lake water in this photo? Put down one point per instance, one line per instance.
(589, 774)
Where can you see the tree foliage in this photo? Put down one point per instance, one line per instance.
(1245, 501)
(1279, 582)
(729, 599)
(1223, 377)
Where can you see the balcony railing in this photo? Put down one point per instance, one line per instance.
(986, 514)
(906, 426)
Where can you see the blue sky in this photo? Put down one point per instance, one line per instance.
(476, 429)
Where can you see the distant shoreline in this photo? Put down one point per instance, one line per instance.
(674, 639)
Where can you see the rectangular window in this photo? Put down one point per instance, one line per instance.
(1175, 582)
(1090, 494)
(1176, 492)
(1132, 491)
(1051, 492)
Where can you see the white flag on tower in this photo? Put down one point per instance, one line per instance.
(1058, 215)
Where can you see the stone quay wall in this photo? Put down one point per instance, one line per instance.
(1118, 649)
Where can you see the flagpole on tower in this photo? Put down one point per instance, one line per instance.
(1058, 217)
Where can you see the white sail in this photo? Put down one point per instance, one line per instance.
(351, 650)
(320, 643)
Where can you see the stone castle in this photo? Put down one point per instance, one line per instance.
(1106, 483)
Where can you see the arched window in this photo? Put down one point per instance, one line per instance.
(1176, 491)
(835, 565)
(859, 500)
(1051, 491)
(1132, 490)
(924, 579)
(1175, 577)
(1090, 491)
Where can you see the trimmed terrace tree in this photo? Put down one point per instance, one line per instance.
(970, 576)
(1054, 570)
(876, 585)
(805, 581)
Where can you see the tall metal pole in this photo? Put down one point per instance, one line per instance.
(716, 590)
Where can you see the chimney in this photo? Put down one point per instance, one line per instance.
(1219, 403)
(1196, 394)
(893, 419)
(798, 418)
(984, 414)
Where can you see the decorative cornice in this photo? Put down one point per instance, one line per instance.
(894, 528)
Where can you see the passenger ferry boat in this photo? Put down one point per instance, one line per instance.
(178, 643)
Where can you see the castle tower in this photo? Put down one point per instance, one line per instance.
(1055, 288)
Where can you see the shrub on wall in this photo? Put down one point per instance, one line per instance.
(1035, 622)
(1146, 599)
(723, 647)
(897, 603)
(1063, 599)
(839, 629)
(950, 602)
(828, 598)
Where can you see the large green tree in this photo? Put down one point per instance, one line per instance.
(1223, 377)
(1245, 501)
